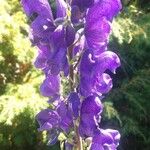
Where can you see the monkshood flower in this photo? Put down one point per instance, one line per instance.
(50, 86)
(105, 139)
(91, 109)
(72, 42)
(55, 121)
(92, 78)
(47, 33)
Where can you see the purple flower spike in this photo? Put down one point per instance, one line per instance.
(50, 86)
(73, 43)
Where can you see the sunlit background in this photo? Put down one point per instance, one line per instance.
(126, 106)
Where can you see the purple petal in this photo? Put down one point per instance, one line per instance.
(43, 56)
(92, 79)
(107, 60)
(70, 35)
(115, 134)
(74, 104)
(87, 60)
(45, 126)
(62, 109)
(104, 8)
(85, 86)
(99, 64)
(47, 119)
(83, 4)
(103, 83)
(66, 117)
(88, 125)
(76, 15)
(99, 141)
(105, 139)
(58, 61)
(55, 98)
(100, 84)
(91, 105)
(97, 33)
(50, 86)
(66, 123)
(42, 27)
(41, 7)
(61, 8)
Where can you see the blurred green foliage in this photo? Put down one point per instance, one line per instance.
(127, 105)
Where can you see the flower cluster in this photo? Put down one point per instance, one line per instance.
(72, 42)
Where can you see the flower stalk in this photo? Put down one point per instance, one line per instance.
(73, 41)
(78, 139)
(71, 69)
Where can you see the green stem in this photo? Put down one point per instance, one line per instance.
(78, 140)
(71, 69)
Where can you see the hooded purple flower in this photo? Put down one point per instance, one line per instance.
(40, 7)
(41, 16)
(47, 119)
(85, 34)
(47, 34)
(66, 122)
(91, 108)
(41, 30)
(83, 4)
(104, 8)
(50, 86)
(74, 104)
(97, 27)
(97, 33)
(92, 78)
(52, 58)
(55, 121)
(105, 139)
